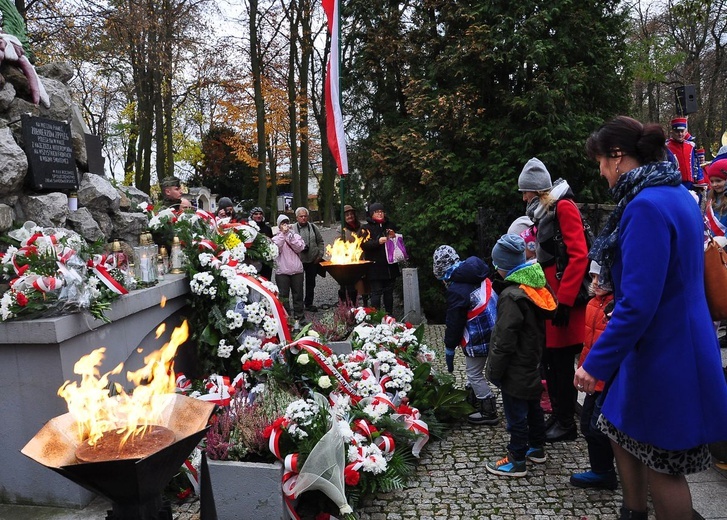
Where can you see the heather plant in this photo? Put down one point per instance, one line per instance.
(237, 432)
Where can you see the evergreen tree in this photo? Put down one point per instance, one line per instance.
(467, 91)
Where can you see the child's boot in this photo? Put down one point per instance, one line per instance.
(508, 467)
(485, 412)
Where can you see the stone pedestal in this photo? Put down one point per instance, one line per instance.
(37, 357)
(243, 490)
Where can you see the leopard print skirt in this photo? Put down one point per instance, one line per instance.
(672, 462)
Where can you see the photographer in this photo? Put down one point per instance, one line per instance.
(226, 209)
(288, 267)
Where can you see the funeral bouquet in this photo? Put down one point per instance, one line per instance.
(54, 271)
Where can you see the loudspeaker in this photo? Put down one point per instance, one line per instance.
(685, 99)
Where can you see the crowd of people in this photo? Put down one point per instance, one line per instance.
(640, 346)
(648, 359)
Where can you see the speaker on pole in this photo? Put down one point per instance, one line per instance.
(686, 100)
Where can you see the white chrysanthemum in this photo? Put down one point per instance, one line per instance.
(201, 283)
(376, 411)
(270, 286)
(237, 287)
(93, 284)
(227, 272)
(238, 252)
(235, 320)
(368, 387)
(205, 259)
(374, 461)
(8, 257)
(223, 349)
(345, 430)
(360, 314)
(352, 454)
(5, 303)
(246, 269)
(250, 343)
(255, 312)
(272, 253)
(270, 326)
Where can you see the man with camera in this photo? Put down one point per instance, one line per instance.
(226, 209)
(311, 255)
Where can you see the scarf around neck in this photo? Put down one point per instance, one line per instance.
(627, 187)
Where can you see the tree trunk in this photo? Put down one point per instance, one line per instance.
(259, 104)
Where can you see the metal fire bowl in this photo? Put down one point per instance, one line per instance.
(133, 482)
(347, 274)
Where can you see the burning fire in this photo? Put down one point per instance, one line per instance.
(343, 252)
(97, 409)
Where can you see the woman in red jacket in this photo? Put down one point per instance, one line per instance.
(557, 219)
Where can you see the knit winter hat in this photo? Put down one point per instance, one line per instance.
(256, 209)
(509, 252)
(444, 257)
(519, 225)
(224, 202)
(717, 169)
(283, 218)
(534, 177)
(376, 206)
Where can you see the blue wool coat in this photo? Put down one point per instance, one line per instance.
(659, 349)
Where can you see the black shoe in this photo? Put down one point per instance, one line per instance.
(485, 412)
(311, 308)
(558, 432)
(550, 422)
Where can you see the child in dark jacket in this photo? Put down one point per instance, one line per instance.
(600, 455)
(471, 310)
(524, 303)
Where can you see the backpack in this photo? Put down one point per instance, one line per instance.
(561, 260)
(480, 321)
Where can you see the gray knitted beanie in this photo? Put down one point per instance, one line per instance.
(534, 177)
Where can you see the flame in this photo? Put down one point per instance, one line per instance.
(99, 406)
(346, 252)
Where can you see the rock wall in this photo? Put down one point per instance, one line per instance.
(104, 211)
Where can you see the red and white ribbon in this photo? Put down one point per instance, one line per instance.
(314, 348)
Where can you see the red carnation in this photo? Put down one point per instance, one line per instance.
(268, 363)
(351, 477)
(21, 299)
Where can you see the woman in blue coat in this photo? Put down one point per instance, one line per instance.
(666, 397)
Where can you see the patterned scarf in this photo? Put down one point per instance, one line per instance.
(628, 186)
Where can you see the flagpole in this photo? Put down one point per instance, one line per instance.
(342, 183)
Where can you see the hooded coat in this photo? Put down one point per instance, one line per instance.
(465, 279)
(524, 303)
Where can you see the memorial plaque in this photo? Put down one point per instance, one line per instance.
(51, 165)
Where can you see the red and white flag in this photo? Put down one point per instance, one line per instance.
(718, 229)
(334, 118)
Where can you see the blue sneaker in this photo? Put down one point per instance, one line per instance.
(536, 455)
(507, 467)
(591, 479)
